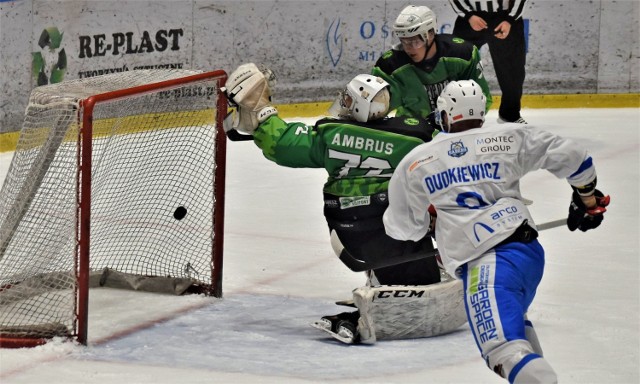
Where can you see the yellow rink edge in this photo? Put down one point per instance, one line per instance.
(602, 100)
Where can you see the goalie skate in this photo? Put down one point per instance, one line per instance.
(346, 303)
(340, 327)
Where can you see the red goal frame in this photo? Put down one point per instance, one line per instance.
(83, 206)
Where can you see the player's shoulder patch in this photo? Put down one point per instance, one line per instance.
(404, 125)
(411, 121)
(391, 60)
(450, 46)
(422, 161)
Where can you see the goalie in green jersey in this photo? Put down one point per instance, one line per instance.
(420, 66)
(359, 147)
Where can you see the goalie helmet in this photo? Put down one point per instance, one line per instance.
(365, 98)
(461, 100)
(415, 21)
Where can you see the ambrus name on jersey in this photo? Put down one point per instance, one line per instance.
(361, 143)
(466, 174)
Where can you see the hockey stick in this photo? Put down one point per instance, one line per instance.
(552, 224)
(234, 135)
(358, 265)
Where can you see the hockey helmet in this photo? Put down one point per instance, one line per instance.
(461, 100)
(365, 98)
(415, 20)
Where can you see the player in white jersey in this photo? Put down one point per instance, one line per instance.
(485, 234)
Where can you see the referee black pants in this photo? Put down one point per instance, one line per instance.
(508, 55)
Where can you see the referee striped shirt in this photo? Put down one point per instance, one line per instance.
(466, 7)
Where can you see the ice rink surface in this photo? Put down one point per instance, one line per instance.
(280, 274)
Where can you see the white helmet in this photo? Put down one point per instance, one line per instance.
(365, 98)
(461, 100)
(415, 20)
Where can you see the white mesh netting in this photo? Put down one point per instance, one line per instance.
(152, 193)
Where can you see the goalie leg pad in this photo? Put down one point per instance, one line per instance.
(409, 311)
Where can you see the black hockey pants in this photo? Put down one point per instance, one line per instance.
(361, 231)
(508, 56)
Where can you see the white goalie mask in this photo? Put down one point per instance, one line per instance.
(415, 21)
(461, 100)
(365, 98)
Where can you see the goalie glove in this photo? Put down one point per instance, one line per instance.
(248, 90)
(583, 218)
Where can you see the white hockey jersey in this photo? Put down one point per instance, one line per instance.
(472, 178)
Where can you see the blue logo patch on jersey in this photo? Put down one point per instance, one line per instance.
(484, 227)
(458, 149)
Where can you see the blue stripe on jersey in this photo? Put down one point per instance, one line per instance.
(518, 367)
(588, 163)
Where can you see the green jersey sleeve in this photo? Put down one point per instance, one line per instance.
(359, 157)
(294, 145)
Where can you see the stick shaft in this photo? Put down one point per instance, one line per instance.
(357, 265)
(552, 224)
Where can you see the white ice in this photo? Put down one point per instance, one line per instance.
(280, 274)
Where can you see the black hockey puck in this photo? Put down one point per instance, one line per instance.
(180, 213)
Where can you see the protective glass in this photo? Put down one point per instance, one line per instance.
(413, 42)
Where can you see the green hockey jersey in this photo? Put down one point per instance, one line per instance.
(358, 157)
(415, 87)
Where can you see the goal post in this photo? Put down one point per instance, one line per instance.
(117, 181)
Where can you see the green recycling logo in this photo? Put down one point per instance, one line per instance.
(53, 72)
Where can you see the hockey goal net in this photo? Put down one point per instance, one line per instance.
(117, 180)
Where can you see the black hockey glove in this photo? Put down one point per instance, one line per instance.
(583, 218)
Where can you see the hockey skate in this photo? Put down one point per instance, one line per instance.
(342, 327)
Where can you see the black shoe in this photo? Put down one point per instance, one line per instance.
(518, 121)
